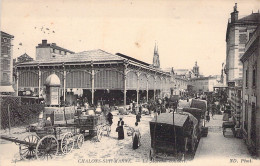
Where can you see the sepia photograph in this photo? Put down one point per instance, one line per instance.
(130, 82)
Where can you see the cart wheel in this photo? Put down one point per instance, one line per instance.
(151, 155)
(80, 140)
(47, 148)
(67, 143)
(28, 151)
(99, 133)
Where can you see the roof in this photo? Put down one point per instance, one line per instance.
(252, 18)
(131, 58)
(181, 71)
(167, 118)
(24, 57)
(204, 78)
(6, 34)
(186, 109)
(201, 104)
(60, 48)
(85, 56)
(251, 44)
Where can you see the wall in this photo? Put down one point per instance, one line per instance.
(251, 94)
(43, 53)
(6, 66)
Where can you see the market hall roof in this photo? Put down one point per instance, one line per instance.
(87, 57)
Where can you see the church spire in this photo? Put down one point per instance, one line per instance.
(156, 61)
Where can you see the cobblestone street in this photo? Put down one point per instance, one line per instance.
(108, 150)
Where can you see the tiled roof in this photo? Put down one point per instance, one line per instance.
(85, 56)
(252, 18)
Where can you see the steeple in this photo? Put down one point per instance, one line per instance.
(196, 70)
(156, 60)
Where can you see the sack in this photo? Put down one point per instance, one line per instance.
(117, 129)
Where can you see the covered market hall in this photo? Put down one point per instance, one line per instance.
(94, 76)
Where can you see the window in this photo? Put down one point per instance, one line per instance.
(5, 77)
(254, 77)
(5, 64)
(4, 50)
(246, 78)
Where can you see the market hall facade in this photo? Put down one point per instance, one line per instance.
(93, 75)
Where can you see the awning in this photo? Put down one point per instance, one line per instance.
(6, 88)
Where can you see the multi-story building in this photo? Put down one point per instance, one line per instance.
(45, 51)
(237, 34)
(6, 62)
(204, 84)
(239, 30)
(251, 92)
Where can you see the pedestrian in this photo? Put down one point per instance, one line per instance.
(110, 118)
(136, 137)
(212, 113)
(140, 109)
(120, 129)
(138, 117)
(207, 117)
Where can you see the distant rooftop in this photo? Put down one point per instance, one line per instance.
(6, 34)
(44, 44)
(252, 18)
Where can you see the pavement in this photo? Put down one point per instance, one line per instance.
(215, 147)
(224, 150)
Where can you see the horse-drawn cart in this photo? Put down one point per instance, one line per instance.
(171, 137)
(63, 132)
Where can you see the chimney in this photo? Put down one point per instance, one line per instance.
(44, 42)
(234, 14)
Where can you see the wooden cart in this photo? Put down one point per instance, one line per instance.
(170, 139)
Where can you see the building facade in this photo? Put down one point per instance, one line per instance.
(237, 34)
(239, 30)
(45, 51)
(251, 93)
(204, 84)
(6, 62)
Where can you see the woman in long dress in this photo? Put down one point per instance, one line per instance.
(136, 136)
(120, 129)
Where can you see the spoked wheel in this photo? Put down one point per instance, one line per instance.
(47, 148)
(28, 151)
(80, 140)
(99, 133)
(67, 143)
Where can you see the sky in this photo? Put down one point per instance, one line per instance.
(184, 30)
